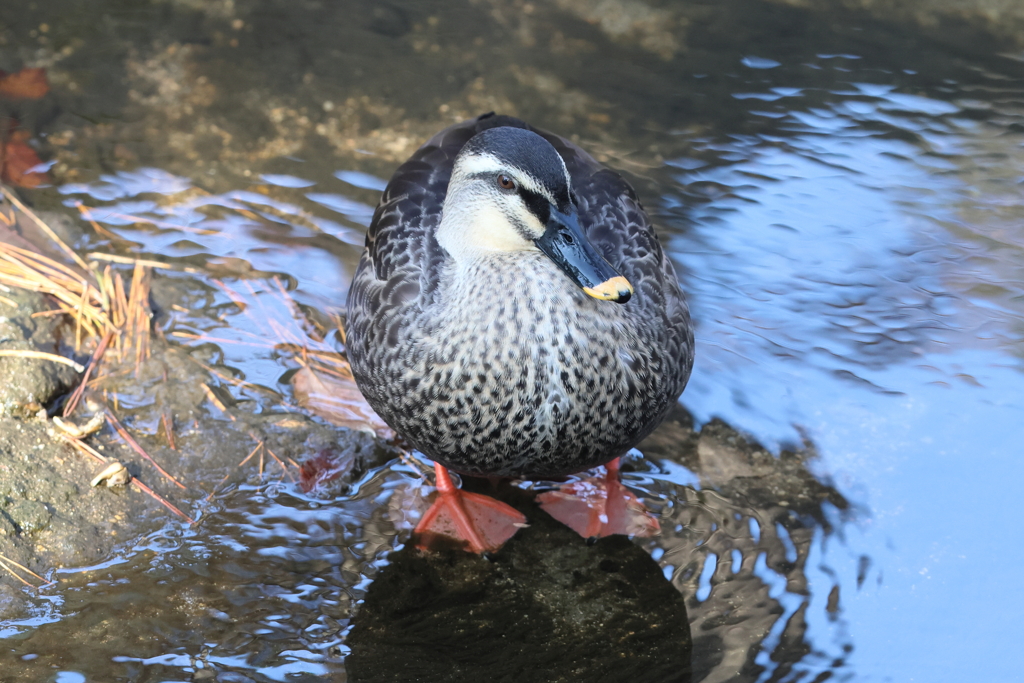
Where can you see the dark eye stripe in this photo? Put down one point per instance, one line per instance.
(537, 204)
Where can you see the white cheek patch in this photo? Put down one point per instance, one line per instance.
(476, 221)
(492, 231)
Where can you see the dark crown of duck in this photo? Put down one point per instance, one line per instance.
(520, 185)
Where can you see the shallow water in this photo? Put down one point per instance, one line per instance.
(842, 198)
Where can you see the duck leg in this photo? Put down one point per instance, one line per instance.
(600, 506)
(470, 520)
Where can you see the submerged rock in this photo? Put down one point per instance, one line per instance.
(745, 471)
(547, 606)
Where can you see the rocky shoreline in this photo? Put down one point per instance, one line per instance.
(50, 515)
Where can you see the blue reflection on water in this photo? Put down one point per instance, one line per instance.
(864, 288)
(360, 179)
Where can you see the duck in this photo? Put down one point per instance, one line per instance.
(514, 315)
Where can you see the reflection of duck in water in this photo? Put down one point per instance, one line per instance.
(514, 315)
(546, 608)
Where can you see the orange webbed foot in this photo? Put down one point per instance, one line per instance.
(600, 506)
(472, 521)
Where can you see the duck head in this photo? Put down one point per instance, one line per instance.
(510, 192)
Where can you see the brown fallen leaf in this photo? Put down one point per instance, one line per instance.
(338, 401)
(27, 84)
(17, 160)
(321, 469)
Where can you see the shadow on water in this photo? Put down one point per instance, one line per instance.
(841, 194)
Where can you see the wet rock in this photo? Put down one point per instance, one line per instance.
(28, 516)
(12, 603)
(547, 606)
(7, 527)
(49, 517)
(742, 470)
(27, 384)
(745, 471)
(722, 458)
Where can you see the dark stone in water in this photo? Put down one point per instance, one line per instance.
(388, 20)
(546, 607)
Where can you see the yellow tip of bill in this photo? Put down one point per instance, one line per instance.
(612, 289)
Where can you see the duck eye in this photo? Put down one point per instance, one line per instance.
(506, 183)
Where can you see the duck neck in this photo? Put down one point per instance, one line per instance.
(502, 287)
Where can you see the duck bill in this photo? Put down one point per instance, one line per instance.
(564, 243)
